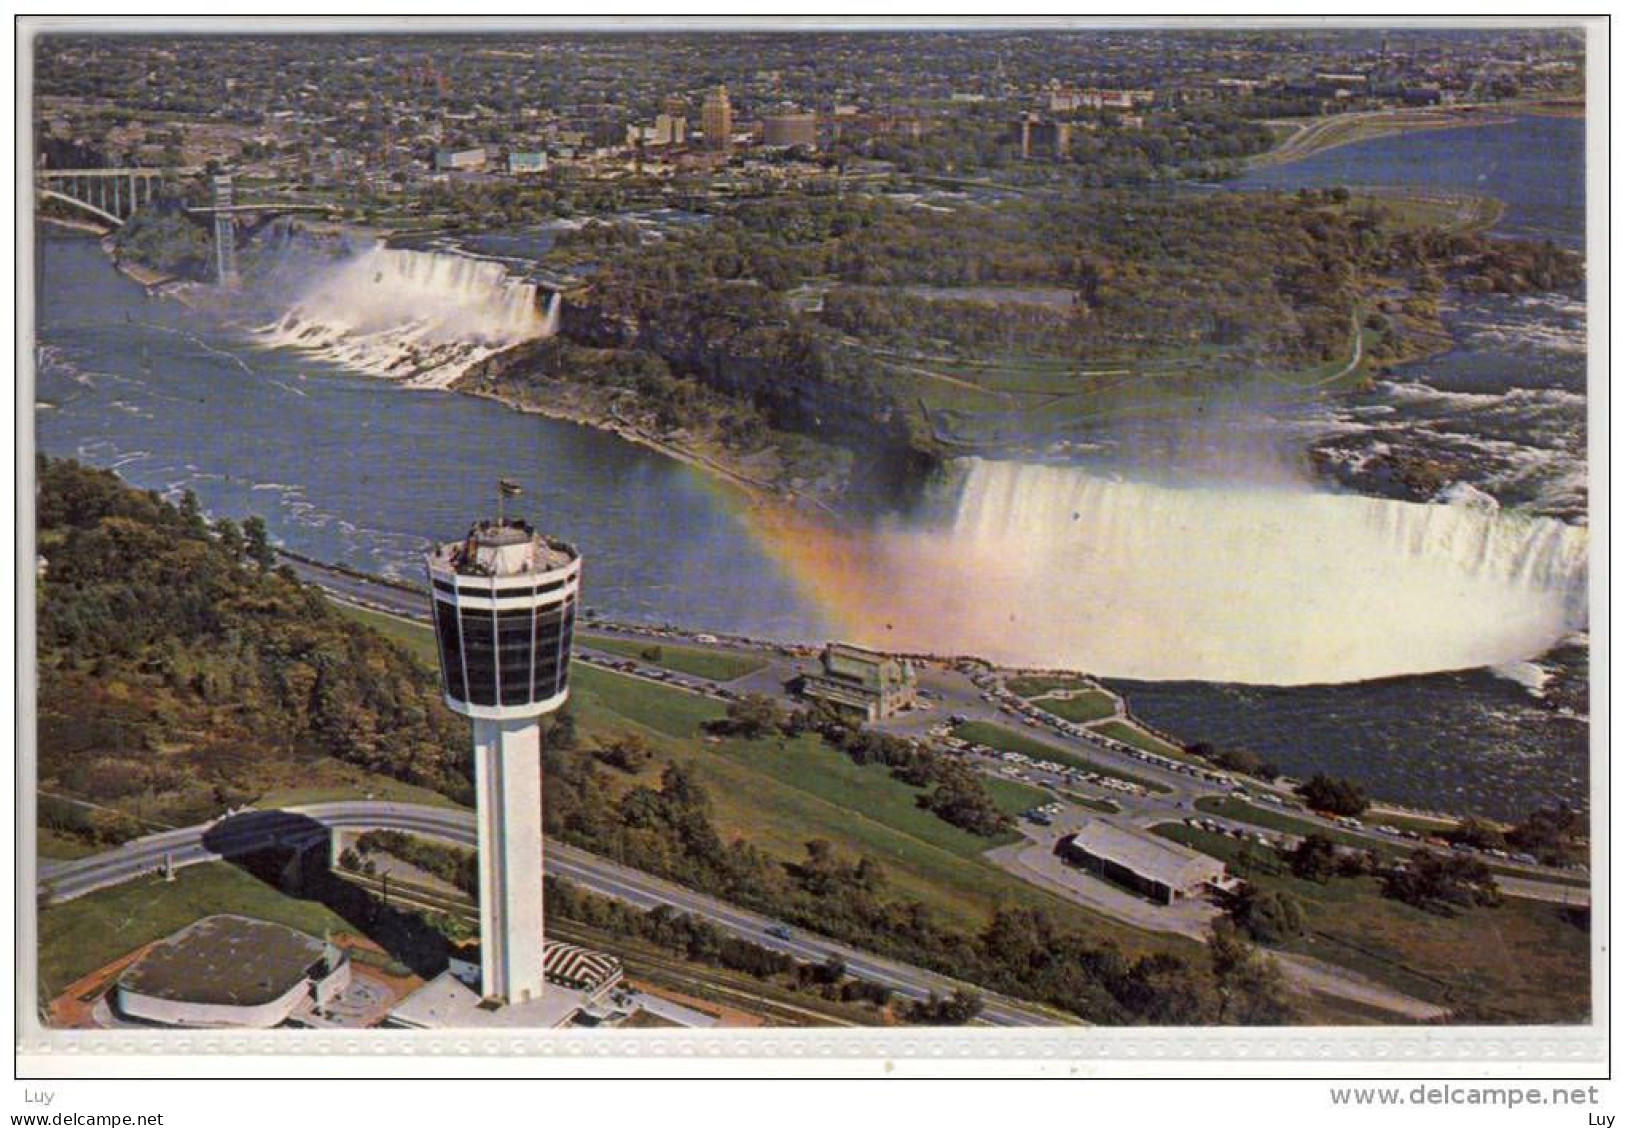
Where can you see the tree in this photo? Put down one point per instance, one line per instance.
(956, 1010)
(1552, 834)
(192, 514)
(561, 733)
(1251, 990)
(230, 536)
(257, 541)
(1315, 858)
(629, 752)
(1272, 917)
(752, 716)
(1335, 796)
(1477, 833)
(1442, 883)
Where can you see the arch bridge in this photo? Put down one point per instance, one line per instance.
(112, 195)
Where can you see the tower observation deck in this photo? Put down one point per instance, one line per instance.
(504, 616)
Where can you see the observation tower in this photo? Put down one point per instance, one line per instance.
(504, 613)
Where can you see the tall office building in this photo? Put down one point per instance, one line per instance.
(717, 119)
(504, 602)
(790, 129)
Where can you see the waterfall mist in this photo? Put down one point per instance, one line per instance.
(1264, 582)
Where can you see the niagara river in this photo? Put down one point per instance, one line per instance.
(1409, 644)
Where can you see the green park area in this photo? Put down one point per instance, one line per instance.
(417, 638)
(1081, 707)
(1240, 810)
(1007, 740)
(700, 662)
(1040, 685)
(1136, 737)
(1523, 961)
(780, 793)
(54, 844)
(1230, 807)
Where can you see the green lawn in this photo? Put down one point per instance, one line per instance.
(79, 936)
(1243, 811)
(1007, 740)
(1527, 959)
(1092, 705)
(50, 843)
(1037, 685)
(1136, 737)
(365, 786)
(1104, 806)
(781, 794)
(717, 665)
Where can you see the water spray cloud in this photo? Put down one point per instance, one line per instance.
(1266, 584)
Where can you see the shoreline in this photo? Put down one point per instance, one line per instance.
(761, 493)
(1385, 123)
(757, 492)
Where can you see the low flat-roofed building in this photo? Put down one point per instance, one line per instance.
(448, 1003)
(231, 971)
(459, 159)
(521, 164)
(1154, 867)
(862, 681)
(579, 981)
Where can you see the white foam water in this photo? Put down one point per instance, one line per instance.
(419, 317)
(1275, 585)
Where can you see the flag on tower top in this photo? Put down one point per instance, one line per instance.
(509, 487)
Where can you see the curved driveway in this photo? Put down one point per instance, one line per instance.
(254, 830)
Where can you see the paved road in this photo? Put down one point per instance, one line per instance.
(250, 831)
(954, 692)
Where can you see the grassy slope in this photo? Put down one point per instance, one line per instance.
(781, 797)
(1083, 708)
(781, 794)
(713, 664)
(1243, 811)
(1524, 957)
(996, 736)
(1039, 684)
(81, 935)
(1144, 741)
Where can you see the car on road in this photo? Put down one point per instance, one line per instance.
(779, 931)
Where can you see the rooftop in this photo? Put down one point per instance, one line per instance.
(1144, 853)
(503, 548)
(446, 1001)
(225, 960)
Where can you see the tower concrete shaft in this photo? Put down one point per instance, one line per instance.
(508, 784)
